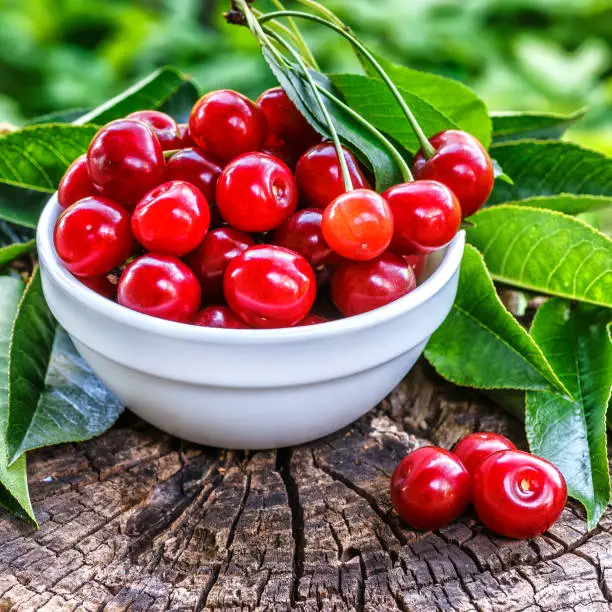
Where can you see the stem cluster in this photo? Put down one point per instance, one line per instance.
(275, 40)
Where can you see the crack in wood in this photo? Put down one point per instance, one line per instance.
(137, 520)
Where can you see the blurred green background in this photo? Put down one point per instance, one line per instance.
(551, 55)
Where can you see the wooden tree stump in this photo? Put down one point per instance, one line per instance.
(137, 520)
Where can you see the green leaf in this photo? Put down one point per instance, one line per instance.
(74, 405)
(352, 133)
(151, 92)
(567, 203)
(180, 103)
(545, 251)
(373, 101)
(30, 350)
(13, 251)
(453, 99)
(14, 242)
(21, 206)
(14, 495)
(546, 168)
(522, 125)
(480, 344)
(36, 157)
(572, 433)
(53, 395)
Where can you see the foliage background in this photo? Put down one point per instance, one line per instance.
(517, 54)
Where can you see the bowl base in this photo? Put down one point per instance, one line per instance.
(250, 418)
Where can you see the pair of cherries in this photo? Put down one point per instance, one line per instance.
(200, 198)
(514, 493)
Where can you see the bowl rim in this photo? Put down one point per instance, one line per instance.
(181, 331)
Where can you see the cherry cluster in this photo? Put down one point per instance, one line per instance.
(514, 493)
(245, 211)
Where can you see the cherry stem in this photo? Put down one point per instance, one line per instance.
(298, 38)
(330, 15)
(285, 30)
(401, 162)
(428, 149)
(264, 41)
(346, 176)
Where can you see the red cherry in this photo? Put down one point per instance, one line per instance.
(416, 262)
(160, 286)
(475, 448)
(75, 184)
(518, 495)
(220, 317)
(196, 167)
(358, 225)
(462, 164)
(286, 121)
(101, 285)
(358, 287)
(430, 488)
(93, 236)
(212, 256)
(163, 126)
(172, 219)
(426, 215)
(184, 135)
(312, 319)
(256, 193)
(302, 233)
(125, 161)
(227, 124)
(269, 286)
(319, 177)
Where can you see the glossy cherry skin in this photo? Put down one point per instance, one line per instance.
(210, 259)
(125, 161)
(220, 317)
(256, 193)
(319, 177)
(75, 184)
(359, 287)
(426, 215)
(430, 488)
(227, 124)
(161, 286)
(312, 319)
(517, 494)
(358, 225)
(462, 164)
(101, 285)
(269, 286)
(163, 126)
(302, 233)
(475, 448)
(172, 219)
(184, 137)
(93, 236)
(196, 167)
(416, 262)
(285, 121)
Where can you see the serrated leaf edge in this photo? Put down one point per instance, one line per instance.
(513, 282)
(554, 380)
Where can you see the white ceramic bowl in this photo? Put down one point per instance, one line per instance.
(248, 388)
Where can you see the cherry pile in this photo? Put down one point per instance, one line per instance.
(514, 493)
(238, 219)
